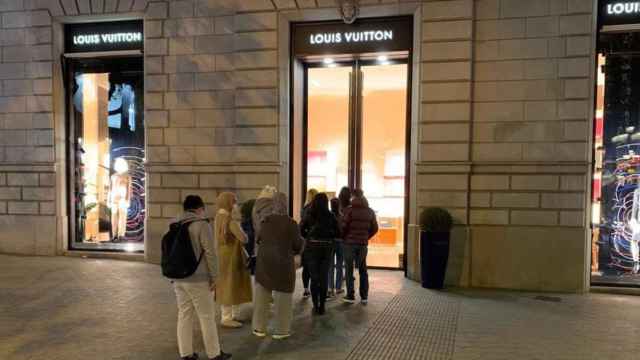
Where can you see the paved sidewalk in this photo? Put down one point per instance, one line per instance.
(70, 308)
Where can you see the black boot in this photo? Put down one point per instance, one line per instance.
(194, 356)
(222, 356)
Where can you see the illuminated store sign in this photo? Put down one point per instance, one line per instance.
(620, 8)
(363, 36)
(349, 37)
(94, 39)
(104, 36)
(617, 12)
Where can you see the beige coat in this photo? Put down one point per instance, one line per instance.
(233, 285)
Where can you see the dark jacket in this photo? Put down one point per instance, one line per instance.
(359, 223)
(319, 227)
(279, 240)
(247, 226)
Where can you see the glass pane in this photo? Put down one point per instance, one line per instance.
(328, 129)
(384, 118)
(616, 195)
(109, 156)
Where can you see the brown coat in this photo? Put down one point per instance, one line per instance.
(359, 223)
(280, 241)
(233, 284)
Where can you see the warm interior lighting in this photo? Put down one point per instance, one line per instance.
(327, 61)
(384, 95)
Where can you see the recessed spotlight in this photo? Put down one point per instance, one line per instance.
(327, 61)
(383, 58)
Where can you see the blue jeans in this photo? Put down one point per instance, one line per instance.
(356, 254)
(336, 271)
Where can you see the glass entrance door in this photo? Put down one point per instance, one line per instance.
(356, 136)
(106, 153)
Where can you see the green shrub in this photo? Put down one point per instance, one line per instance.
(436, 220)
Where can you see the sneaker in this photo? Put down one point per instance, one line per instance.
(349, 299)
(191, 357)
(222, 356)
(280, 337)
(259, 334)
(232, 324)
(306, 293)
(364, 302)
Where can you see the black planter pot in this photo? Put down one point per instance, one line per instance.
(434, 255)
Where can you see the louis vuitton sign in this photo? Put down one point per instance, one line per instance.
(619, 12)
(104, 36)
(365, 35)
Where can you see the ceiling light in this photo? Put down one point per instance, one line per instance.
(383, 58)
(327, 61)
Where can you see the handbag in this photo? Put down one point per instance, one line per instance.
(246, 258)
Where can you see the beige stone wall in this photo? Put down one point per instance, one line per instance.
(27, 177)
(531, 126)
(504, 121)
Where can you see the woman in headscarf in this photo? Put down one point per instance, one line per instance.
(306, 275)
(320, 229)
(279, 240)
(233, 285)
(262, 207)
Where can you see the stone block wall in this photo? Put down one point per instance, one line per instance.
(27, 173)
(504, 122)
(533, 78)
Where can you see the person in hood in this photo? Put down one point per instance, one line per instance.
(194, 293)
(280, 241)
(359, 225)
(233, 287)
(262, 207)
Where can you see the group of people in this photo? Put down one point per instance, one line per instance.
(260, 239)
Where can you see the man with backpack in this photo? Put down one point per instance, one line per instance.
(189, 259)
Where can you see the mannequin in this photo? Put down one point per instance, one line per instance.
(119, 198)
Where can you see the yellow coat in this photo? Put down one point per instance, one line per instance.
(233, 283)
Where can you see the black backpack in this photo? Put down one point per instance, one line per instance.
(178, 258)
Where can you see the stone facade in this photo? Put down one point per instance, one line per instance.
(504, 122)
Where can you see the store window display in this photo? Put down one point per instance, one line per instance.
(109, 177)
(616, 192)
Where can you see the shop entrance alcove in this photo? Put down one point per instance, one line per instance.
(351, 121)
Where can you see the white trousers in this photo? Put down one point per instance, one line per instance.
(229, 312)
(282, 309)
(196, 298)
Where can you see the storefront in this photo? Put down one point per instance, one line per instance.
(616, 196)
(103, 75)
(112, 112)
(352, 125)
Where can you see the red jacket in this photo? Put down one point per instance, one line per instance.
(359, 223)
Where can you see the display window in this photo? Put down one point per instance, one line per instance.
(615, 240)
(108, 153)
